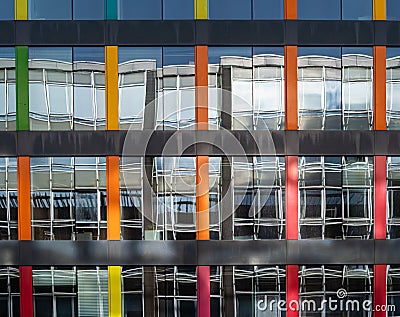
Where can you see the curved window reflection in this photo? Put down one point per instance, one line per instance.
(393, 89)
(68, 198)
(8, 199)
(66, 89)
(335, 88)
(336, 199)
(7, 89)
(393, 197)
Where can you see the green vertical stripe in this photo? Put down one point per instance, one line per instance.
(21, 55)
(111, 9)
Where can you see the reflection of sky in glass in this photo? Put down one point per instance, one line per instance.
(50, 9)
(140, 53)
(88, 9)
(178, 56)
(178, 9)
(318, 10)
(51, 53)
(7, 10)
(139, 10)
(268, 9)
(229, 10)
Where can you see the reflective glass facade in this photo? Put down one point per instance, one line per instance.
(177, 158)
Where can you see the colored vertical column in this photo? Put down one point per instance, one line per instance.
(202, 169)
(23, 163)
(380, 278)
(291, 123)
(112, 162)
(111, 9)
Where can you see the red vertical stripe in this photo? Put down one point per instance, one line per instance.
(292, 290)
(379, 289)
(26, 297)
(203, 291)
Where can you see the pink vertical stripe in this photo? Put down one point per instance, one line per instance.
(380, 197)
(292, 227)
(203, 291)
(26, 297)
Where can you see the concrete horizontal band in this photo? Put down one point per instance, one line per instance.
(190, 143)
(192, 252)
(199, 32)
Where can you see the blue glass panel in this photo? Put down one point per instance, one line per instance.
(88, 9)
(139, 10)
(392, 9)
(85, 54)
(7, 52)
(268, 50)
(178, 10)
(7, 10)
(267, 9)
(51, 53)
(50, 9)
(357, 9)
(126, 54)
(178, 56)
(318, 10)
(229, 10)
(215, 53)
(320, 51)
(390, 52)
(357, 50)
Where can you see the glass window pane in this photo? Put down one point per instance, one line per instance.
(88, 9)
(178, 9)
(50, 9)
(229, 10)
(393, 10)
(267, 9)
(318, 10)
(357, 9)
(7, 10)
(139, 10)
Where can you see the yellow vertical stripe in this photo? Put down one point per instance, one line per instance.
(114, 291)
(379, 9)
(111, 54)
(21, 9)
(201, 9)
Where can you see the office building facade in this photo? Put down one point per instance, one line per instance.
(199, 158)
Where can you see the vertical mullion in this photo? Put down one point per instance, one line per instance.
(112, 166)
(202, 178)
(23, 163)
(291, 123)
(380, 279)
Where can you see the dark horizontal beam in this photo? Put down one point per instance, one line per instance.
(160, 253)
(190, 143)
(203, 32)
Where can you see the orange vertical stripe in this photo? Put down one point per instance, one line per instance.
(202, 172)
(202, 198)
(112, 117)
(201, 82)
(113, 202)
(380, 87)
(291, 112)
(24, 198)
(290, 10)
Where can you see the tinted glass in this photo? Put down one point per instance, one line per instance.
(393, 88)
(178, 9)
(267, 9)
(392, 9)
(50, 9)
(126, 54)
(139, 10)
(318, 10)
(88, 9)
(357, 9)
(229, 10)
(7, 10)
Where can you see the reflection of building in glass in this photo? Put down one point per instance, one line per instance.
(335, 93)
